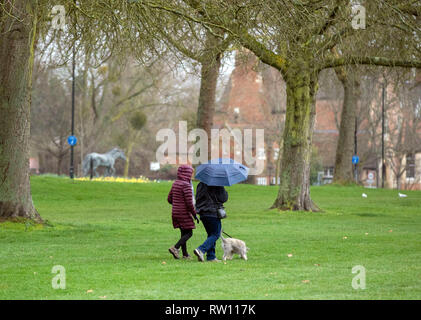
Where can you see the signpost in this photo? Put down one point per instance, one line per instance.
(370, 179)
(355, 160)
(154, 166)
(72, 140)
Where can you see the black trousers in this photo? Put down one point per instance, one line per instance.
(186, 234)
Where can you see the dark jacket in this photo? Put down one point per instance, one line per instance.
(181, 198)
(209, 199)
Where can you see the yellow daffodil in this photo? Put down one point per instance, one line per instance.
(141, 179)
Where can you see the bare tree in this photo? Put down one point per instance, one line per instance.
(50, 117)
(350, 79)
(403, 130)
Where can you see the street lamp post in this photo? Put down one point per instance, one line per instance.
(73, 113)
(355, 150)
(383, 130)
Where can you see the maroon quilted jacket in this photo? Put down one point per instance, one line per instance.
(181, 198)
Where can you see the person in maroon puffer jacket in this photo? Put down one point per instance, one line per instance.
(183, 211)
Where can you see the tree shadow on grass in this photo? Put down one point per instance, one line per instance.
(370, 214)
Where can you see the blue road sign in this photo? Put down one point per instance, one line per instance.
(355, 159)
(72, 140)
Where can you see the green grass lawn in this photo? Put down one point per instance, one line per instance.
(113, 240)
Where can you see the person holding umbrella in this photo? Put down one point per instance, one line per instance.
(208, 200)
(210, 197)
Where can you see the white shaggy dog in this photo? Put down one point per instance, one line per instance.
(232, 246)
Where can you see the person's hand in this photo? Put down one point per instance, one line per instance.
(197, 219)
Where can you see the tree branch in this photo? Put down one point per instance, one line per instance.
(376, 61)
(188, 53)
(264, 54)
(207, 25)
(331, 20)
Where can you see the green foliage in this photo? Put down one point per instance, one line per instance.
(113, 238)
(138, 120)
(166, 168)
(116, 90)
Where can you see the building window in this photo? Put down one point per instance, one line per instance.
(262, 181)
(418, 109)
(328, 171)
(236, 114)
(261, 154)
(275, 154)
(410, 166)
(276, 181)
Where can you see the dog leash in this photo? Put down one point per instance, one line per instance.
(221, 230)
(226, 234)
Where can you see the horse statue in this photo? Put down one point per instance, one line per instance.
(106, 160)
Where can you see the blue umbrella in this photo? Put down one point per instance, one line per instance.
(221, 172)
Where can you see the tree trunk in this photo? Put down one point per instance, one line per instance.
(345, 148)
(278, 162)
(294, 190)
(17, 45)
(83, 111)
(133, 137)
(211, 63)
(128, 156)
(59, 162)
